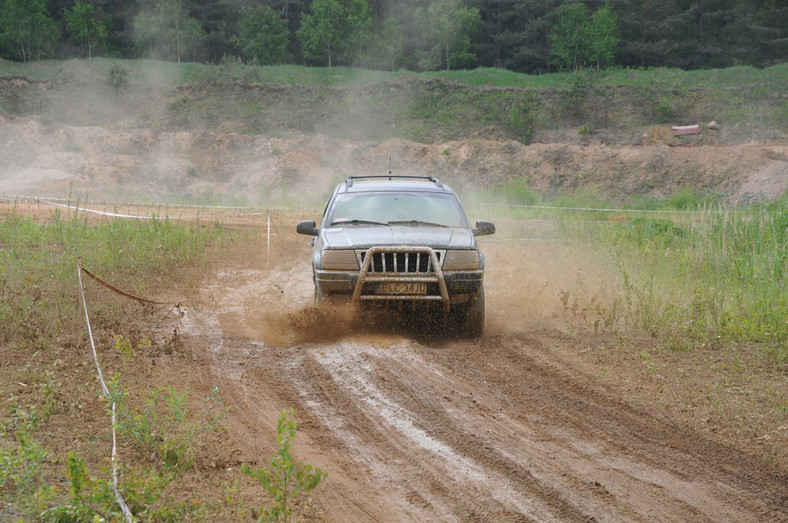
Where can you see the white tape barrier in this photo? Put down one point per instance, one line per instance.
(121, 503)
(48, 199)
(594, 209)
(102, 213)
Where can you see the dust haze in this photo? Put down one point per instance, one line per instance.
(156, 142)
(413, 424)
(531, 284)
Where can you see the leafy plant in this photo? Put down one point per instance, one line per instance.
(286, 479)
(21, 473)
(29, 418)
(126, 348)
(664, 110)
(92, 498)
(164, 429)
(573, 100)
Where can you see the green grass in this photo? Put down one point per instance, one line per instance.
(38, 267)
(362, 104)
(40, 315)
(516, 199)
(168, 73)
(716, 276)
(696, 271)
(701, 79)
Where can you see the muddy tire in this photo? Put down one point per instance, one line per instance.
(472, 318)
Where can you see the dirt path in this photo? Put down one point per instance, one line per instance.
(415, 428)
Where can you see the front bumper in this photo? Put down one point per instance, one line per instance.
(445, 287)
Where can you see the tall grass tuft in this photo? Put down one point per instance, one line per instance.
(721, 275)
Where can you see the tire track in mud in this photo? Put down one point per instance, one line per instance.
(644, 438)
(494, 430)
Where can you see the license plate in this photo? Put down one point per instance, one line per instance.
(403, 288)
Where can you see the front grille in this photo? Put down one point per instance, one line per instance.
(401, 262)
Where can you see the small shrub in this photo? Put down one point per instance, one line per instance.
(92, 498)
(164, 429)
(573, 100)
(21, 473)
(664, 110)
(118, 77)
(584, 130)
(522, 116)
(286, 478)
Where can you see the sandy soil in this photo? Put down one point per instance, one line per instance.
(413, 426)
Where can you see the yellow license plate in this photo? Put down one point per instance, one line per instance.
(403, 288)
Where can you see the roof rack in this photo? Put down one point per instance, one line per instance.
(350, 179)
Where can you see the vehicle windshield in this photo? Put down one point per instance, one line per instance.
(392, 208)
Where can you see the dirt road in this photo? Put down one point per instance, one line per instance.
(412, 427)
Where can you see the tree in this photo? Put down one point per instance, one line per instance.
(579, 40)
(331, 31)
(446, 27)
(27, 30)
(118, 77)
(263, 37)
(604, 36)
(767, 32)
(358, 23)
(86, 26)
(571, 36)
(219, 21)
(384, 49)
(168, 31)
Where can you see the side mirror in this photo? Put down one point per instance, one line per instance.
(308, 227)
(484, 228)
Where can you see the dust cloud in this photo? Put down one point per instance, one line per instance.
(531, 284)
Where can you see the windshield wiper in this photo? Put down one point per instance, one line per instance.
(357, 222)
(417, 222)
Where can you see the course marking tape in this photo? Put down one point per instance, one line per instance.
(121, 503)
(547, 207)
(50, 199)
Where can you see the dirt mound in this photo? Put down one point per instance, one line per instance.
(658, 135)
(38, 157)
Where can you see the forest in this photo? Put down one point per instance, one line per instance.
(527, 36)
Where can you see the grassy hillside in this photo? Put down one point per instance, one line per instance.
(611, 106)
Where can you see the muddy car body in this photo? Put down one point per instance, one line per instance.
(400, 242)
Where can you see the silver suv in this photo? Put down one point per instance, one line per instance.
(400, 242)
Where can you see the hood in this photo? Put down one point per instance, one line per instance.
(363, 237)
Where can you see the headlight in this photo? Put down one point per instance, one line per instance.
(461, 260)
(339, 260)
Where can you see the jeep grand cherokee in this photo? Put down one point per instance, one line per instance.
(400, 241)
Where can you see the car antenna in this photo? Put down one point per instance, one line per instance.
(389, 164)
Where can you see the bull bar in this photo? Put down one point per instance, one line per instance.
(433, 276)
